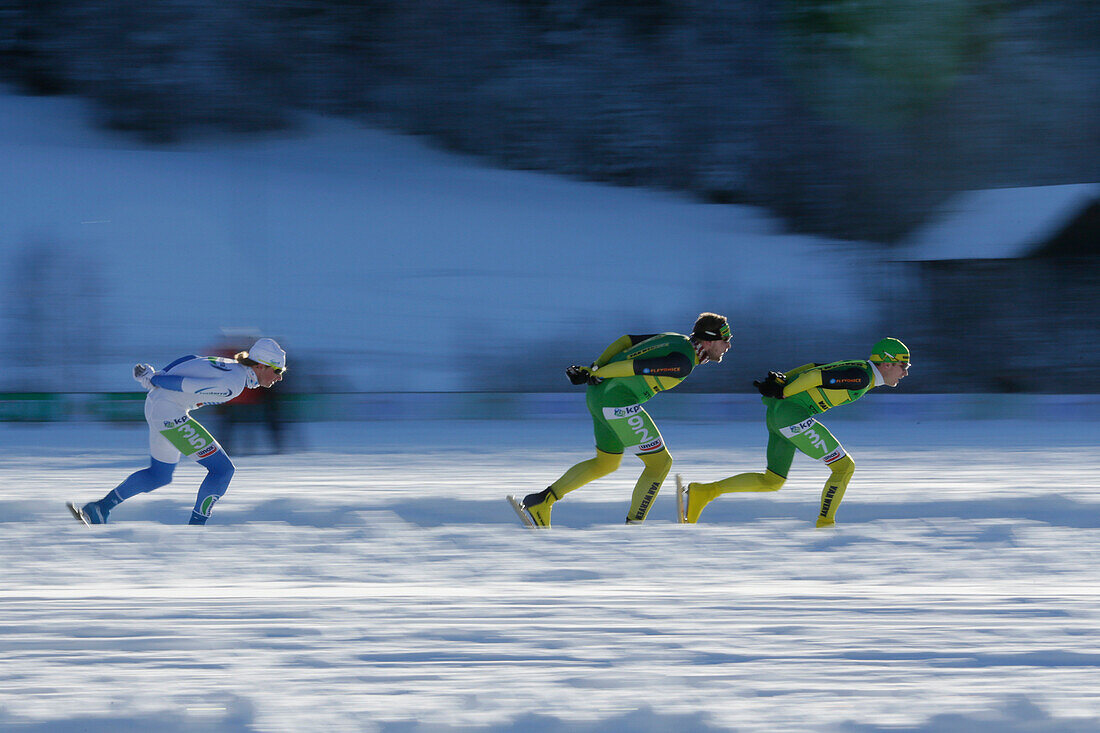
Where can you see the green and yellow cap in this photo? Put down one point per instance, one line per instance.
(889, 350)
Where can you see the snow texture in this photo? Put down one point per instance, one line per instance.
(379, 582)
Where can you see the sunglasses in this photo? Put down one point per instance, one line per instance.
(277, 370)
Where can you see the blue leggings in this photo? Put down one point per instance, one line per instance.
(219, 471)
(158, 474)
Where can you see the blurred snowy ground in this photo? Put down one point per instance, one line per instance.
(379, 582)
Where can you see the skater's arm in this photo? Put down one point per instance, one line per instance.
(619, 345)
(675, 365)
(190, 385)
(841, 376)
(807, 380)
(792, 373)
(846, 376)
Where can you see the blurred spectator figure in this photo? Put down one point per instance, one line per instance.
(254, 411)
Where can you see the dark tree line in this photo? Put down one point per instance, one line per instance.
(848, 118)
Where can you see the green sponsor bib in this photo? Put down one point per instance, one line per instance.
(188, 438)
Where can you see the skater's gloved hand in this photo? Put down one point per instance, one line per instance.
(143, 375)
(578, 374)
(772, 385)
(582, 375)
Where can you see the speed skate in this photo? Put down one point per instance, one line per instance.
(681, 500)
(523, 515)
(78, 514)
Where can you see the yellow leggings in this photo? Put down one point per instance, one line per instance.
(834, 490)
(831, 494)
(657, 466)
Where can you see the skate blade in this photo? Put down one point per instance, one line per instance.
(681, 500)
(78, 514)
(521, 512)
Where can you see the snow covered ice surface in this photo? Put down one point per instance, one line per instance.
(379, 582)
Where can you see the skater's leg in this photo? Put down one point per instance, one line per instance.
(842, 470)
(158, 474)
(538, 504)
(657, 466)
(219, 472)
(162, 463)
(586, 472)
(780, 456)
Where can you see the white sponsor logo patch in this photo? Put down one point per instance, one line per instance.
(615, 413)
(792, 430)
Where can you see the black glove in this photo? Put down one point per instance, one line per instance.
(772, 386)
(578, 374)
(582, 375)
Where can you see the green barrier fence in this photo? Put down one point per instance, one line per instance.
(121, 407)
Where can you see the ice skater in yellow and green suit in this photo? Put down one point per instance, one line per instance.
(627, 374)
(793, 401)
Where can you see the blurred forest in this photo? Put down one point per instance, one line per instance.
(851, 119)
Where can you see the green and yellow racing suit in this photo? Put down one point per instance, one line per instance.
(633, 370)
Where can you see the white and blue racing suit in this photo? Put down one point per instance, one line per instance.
(184, 385)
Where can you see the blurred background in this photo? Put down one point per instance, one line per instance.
(462, 197)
